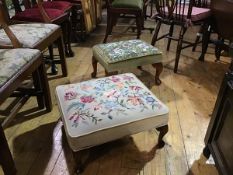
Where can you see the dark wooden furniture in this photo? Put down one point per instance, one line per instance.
(219, 136)
(34, 67)
(38, 12)
(6, 159)
(221, 23)
(114, 12)
(54, 37)
(183, 13)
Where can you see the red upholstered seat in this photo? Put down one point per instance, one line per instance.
(34, 15)
(59, 5)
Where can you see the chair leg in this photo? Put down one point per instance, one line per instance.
(60, 46)
(94, 65)
(159, 69)
(45, 87)
(179, 47)
(170, 35)
(109, 26)
(162, 131)
(139, 25)
(53, 65)
(69, 29)
(198, 37)
(155, 36)
(6, 159)
(37, 84)
(205, 41)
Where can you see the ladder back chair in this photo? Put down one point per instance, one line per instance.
(183, 13)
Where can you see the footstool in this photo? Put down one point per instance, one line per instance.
(126, 54)
(105, 109)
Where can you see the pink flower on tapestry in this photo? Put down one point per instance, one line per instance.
(85, 87)
(134, 100)
(86, 99)
(135, 88)
(115, 79)
(97, 107)
(70, 95)
(120, 85)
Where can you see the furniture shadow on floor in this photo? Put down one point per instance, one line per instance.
(35, 146)
(23, 116)
(121, 154)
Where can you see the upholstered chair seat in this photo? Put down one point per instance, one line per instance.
(59, 5)
(128, 4)
(13, 60)
(29, 35)
(34, 15)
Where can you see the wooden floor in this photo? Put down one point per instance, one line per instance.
(38, 146)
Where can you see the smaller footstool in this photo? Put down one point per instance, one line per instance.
(126, 54)
(105, 109)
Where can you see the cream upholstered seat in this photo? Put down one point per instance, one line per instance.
(13, 60)
(29, 35)
(125, 54)
(105, 109)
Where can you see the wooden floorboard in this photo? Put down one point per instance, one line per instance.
(39, 146)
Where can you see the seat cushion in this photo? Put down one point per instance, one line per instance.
(105, 109)
(28, 34)
(59, 5)
(13, 60)
(125, 54)
(138, 4)
(200, 13)
(34, 15)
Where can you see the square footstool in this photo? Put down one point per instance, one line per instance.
(126, 54)
(105, 109)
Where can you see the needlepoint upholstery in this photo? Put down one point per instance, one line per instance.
(128, 4)
(125, 54)
(13, 60)
(28, 34)
(105, 109)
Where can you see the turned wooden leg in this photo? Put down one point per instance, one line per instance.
(94, 65)
(159, 69)
(162, 131)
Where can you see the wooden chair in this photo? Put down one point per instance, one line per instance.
(122, 8)
(36, 12)
(36, 36)
(183, 13)
(16, 65)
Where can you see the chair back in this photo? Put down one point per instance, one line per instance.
(178, 10)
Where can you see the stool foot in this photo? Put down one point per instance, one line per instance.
(162, 131)
(159, 69)
(94, 65)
